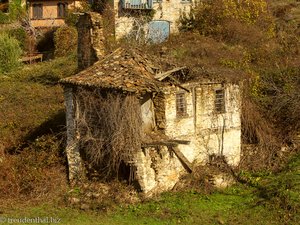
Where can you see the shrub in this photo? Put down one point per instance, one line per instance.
(20, 35)
(210, 17)
(16, 10)
(65, 41)
(4, 18)
(10, 53)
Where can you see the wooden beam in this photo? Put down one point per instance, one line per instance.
(164, 75)
(160, 143)
(177, 83)
(182, 142)
(172, 143)
(185, 162)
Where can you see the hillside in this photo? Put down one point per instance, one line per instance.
(262, 54)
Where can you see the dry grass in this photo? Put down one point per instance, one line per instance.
(34, 175)
(109, 128)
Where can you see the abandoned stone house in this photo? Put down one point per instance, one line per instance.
(182, 123)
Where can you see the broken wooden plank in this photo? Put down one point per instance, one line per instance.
(159, 143)
(164, 75)
(165, 143)
(177, 83)
(185, 162)
(182, 142)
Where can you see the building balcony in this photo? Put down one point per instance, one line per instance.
(137, 4)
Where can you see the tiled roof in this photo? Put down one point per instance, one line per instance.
(126, 70)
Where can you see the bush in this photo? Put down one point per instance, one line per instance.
(10, 53)
(210, 17)
(16, 10)
(65, 41)
(20, 35)
(4, 18)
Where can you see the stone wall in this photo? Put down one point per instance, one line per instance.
(157, 169)
(90, 39)
(209, 133)
(168, 10)
(76, 170)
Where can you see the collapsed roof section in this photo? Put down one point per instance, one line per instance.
(131, 71)
(123, 69)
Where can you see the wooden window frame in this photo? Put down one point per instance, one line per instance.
(62, 12)
(36, 14)
(181, 105)
(220, 101)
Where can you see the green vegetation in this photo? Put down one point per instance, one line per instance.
(20, 35)
(15, 12)
(273, 200)
(247, 42)
(65, 41)
(30, 97)
(10, 53)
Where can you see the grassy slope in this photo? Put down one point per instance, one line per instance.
(275, 203)
(29, 97)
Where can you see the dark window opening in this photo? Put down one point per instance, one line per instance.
(220, 101)
(126, 174)
(37, 11)
(181, 105)
(62, 10)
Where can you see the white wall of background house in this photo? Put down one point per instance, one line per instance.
(164, 10)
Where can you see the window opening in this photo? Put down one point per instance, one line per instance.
(220, 101)
(62, 10)
(181, 105)
(37, 11)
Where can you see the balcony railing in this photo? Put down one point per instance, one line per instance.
(137, 4)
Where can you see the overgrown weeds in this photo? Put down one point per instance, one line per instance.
(65, 41)
(110, 129)
(32, 174)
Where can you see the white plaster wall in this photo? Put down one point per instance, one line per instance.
(219, 133)
(157, 170)
(147, 112)
(210, 132)
(169, 10)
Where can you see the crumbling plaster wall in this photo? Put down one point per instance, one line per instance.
(76, 169)
(209, 132)
(159, 169)
(147, 111)
(168, 10)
